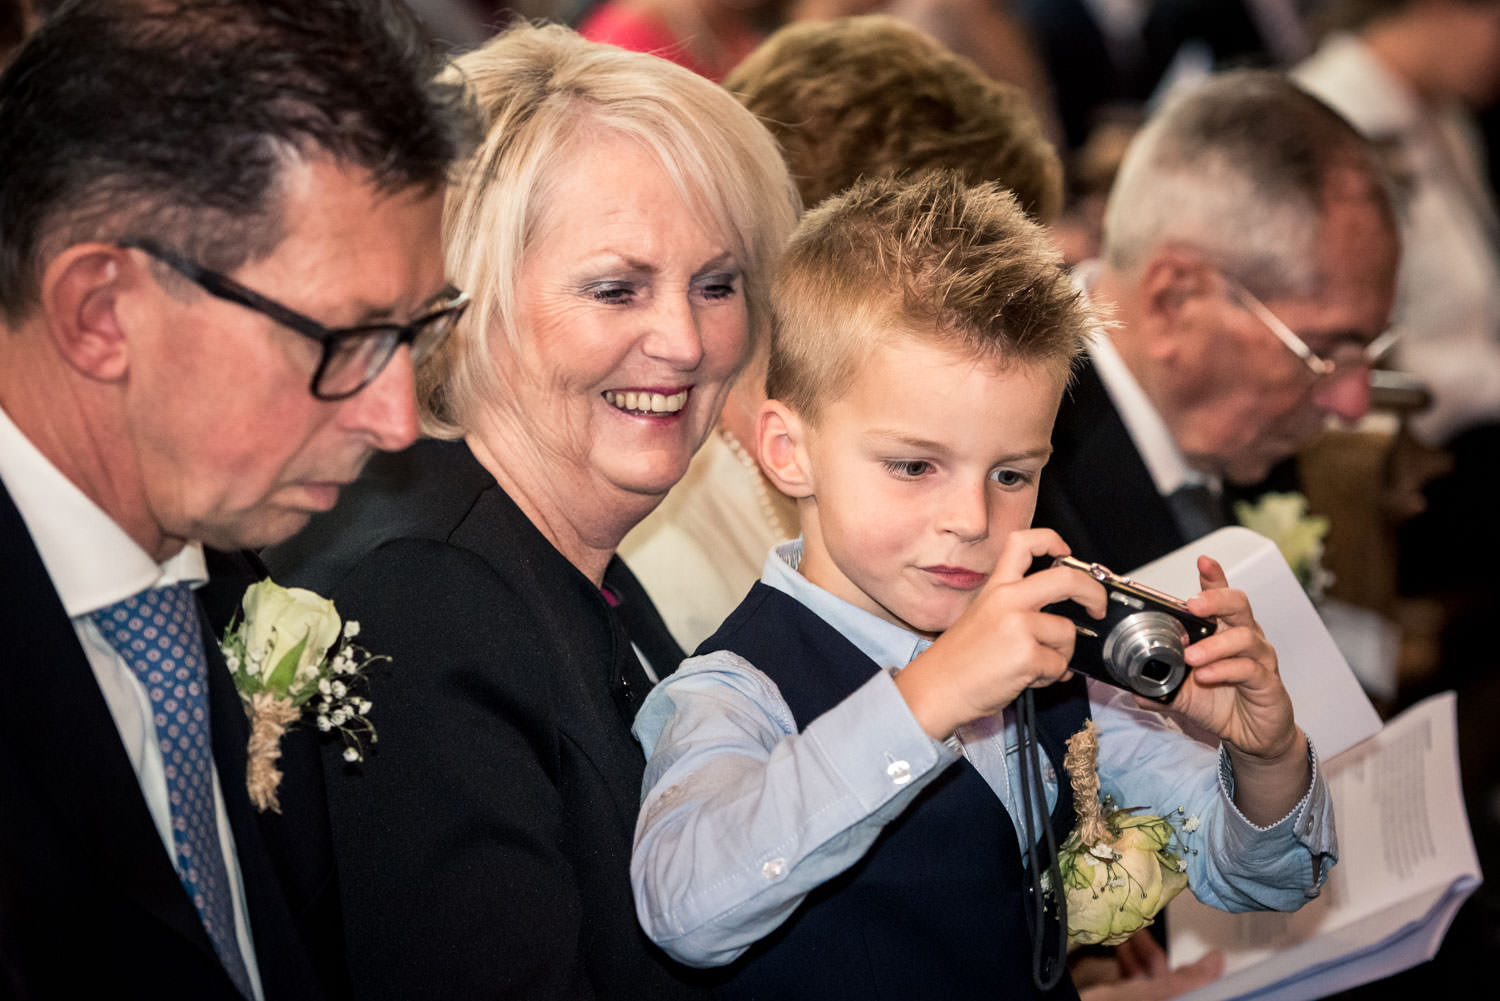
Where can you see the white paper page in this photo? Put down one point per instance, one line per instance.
(1418, 944)
(1331, 707)
(1404, 843)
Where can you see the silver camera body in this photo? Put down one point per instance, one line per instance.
(1138, 644)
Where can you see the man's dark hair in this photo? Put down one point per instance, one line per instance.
(174, 119)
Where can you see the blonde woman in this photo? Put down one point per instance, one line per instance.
(617, 230)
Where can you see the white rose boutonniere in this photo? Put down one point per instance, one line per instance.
(1283, 519)
(1119, 868)
(288, 648)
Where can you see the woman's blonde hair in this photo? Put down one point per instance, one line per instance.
(543, 92)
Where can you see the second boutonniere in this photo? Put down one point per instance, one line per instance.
(1283, 518)
(1119, 867)
(289, 653)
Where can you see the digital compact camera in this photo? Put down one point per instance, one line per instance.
(1138, 644)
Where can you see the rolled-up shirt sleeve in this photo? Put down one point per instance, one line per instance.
(742, 815)
(1146, 760)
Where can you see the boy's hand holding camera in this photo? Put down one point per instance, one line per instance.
(1004, 643)
(1234, 690)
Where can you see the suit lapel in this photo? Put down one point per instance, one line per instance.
(64, 737)
(1106, 481)
(643, 626)
(284, 966)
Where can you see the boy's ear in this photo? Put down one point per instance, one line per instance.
(80, 295)
(783, 454)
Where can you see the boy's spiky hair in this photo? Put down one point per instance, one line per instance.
(933, 258)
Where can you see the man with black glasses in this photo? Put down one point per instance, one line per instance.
(1246, 282)
(219, 261)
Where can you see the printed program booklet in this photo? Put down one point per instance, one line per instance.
(1406, 857)
(1406, 863)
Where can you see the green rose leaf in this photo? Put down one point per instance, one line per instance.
(280, 679)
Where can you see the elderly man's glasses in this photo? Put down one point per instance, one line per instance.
(352, 356)
(1345, 358)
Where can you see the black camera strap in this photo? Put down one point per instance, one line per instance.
(1048, 926)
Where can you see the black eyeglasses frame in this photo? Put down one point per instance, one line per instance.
(329, 338)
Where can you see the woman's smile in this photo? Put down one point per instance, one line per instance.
(647, 402)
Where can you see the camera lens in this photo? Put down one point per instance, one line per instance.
(1156, 672)
(1144, 654)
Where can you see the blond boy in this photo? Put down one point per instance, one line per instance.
(832, 780)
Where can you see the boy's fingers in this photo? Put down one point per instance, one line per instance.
(1210, 574)
(1052, 666)
(1048, 587)
(1056, 632)
(1226, 604)
(1022, 547)
(1140, 956)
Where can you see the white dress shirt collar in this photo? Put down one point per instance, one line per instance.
(1169, 470)
(1168, 467)
(93, 563)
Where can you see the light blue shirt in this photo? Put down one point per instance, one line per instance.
(742, 815)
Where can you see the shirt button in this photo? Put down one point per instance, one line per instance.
(898, 772)
(774, 868)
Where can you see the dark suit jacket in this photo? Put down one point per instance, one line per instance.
(1098, 495)
(1096, 491)
(484, 844)
(89, 901)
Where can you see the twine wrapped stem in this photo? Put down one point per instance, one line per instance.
(270, 715)
(1082, 766)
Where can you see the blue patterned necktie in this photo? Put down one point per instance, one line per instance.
(156, 632)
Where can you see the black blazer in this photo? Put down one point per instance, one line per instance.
(89, 901)
(1098, 495)
(483, 846)
(1096, 491)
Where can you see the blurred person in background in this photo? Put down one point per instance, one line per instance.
(709, 37)
(1249, 256)
(1411, 74)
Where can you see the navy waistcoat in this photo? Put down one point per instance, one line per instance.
(937, 907)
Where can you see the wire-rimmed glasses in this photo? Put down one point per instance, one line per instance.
(1346, 357)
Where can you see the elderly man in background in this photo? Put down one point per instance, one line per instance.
(1249, 263)
(219, 251)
